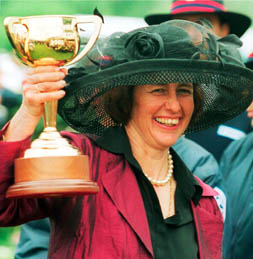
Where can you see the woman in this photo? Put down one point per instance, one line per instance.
(138, 92)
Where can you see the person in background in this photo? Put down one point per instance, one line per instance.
(144, 193)
(237, 168)
(214, 139)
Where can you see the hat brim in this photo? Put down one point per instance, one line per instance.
(226, 92)
(238, 23)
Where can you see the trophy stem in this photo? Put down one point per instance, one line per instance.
(50, 114)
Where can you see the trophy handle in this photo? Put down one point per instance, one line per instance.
(98, 23)
(8, 24)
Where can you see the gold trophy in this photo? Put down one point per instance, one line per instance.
(52, 166)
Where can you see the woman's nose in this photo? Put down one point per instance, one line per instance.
(173, 104)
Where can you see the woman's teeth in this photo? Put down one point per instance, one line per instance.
(168, 122)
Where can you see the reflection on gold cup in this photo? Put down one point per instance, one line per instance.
(52, 166)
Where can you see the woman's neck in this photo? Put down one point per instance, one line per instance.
(152, 160)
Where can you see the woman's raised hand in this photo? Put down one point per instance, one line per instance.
(40, 85)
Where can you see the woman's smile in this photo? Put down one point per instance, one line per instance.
(167, 121)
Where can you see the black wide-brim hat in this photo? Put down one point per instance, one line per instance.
(174, 51)
(237, 22)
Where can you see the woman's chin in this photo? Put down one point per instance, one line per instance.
(167, 141)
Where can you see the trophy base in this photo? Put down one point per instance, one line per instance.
(51, 188)
(51, 176)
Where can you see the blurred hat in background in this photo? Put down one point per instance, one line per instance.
(238, 23)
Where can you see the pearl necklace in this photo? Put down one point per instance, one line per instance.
(168, 176)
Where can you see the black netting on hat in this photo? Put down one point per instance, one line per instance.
(175, 51)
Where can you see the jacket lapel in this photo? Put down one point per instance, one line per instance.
(124, 187)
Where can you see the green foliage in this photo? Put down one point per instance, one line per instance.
(39, 7)
(132, 8)
(8, 240)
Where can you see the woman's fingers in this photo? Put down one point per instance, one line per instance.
(45, 74)
(45, 86)
(43, 92)
(44, 69)
(34, 98)
(42, 80)
(34, 101)
(45, 77)
(42, 84)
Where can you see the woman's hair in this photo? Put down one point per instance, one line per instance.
(198, 102)
(118, 103)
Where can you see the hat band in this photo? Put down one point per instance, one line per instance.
(198, 6)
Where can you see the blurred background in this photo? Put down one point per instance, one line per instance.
(120, 15)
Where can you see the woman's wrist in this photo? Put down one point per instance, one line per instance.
(21, 126)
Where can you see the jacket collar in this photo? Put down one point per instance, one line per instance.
(207, 190)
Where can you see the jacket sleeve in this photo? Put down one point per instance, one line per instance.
(14, 211)
(237, 166)
(19, 211)
(200, 162)
(34, 240)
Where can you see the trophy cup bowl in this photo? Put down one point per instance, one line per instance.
(51, 166)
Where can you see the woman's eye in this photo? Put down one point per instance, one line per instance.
(158, 90)
(185, 91)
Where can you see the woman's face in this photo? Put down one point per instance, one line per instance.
(161, 113)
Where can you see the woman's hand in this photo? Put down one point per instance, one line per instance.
(41, 84)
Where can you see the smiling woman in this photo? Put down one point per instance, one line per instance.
(161, 113)
(132, 98)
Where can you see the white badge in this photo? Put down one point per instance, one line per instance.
(229, 132)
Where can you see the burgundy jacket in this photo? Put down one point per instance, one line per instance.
(111, 224)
